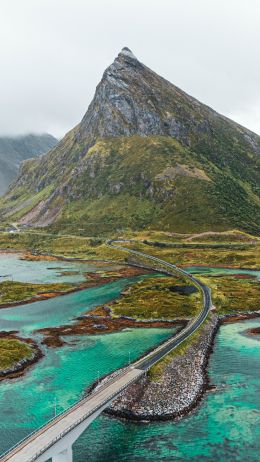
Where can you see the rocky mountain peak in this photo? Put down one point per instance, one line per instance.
(127, 53)
(144, 154)
(131, 99)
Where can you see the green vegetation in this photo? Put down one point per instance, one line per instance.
(180, 190)
(14, 150)
(12, 291)
(12, 351)
(170, 163)
(158, 298)
(66, 246)
(156, 372)
(204, 254)
(231, 295)
(239, 249)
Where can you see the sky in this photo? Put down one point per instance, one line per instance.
(53, 54)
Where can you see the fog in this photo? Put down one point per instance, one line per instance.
(53, 54)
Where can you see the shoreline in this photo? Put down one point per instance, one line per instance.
(20, 368)
(100, 322)
(95, 281)
(205, 385)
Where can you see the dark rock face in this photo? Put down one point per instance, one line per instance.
(144, 154)
(131, 99)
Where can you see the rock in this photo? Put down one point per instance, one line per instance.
(178, 390)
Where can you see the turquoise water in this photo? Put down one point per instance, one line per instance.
(224, 428)
(64, 373)
(45, 271)
(60, 310)
(219, 271)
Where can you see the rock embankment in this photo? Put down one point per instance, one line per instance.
(178, 389)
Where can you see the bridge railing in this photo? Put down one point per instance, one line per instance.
(81, 419)
(160, 266)
(65, 412)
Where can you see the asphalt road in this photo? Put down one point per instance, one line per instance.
(44, 438)
(153, 357)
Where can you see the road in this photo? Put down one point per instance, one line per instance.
(55, 430)
(155, 356)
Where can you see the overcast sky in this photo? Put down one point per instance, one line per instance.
(53, 54)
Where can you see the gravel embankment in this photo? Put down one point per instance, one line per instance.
(179, 389)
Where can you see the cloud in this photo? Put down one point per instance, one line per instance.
(53, 54)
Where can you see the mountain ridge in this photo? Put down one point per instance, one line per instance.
(15, 149)
(144, 154)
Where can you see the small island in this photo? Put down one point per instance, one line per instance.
(16, 355)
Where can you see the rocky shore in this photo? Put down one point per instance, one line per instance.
(254, 331)
(19, 368)
(179, 388)
(100, 321)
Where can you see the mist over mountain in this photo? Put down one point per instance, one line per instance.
(145, 154)
(15, 149)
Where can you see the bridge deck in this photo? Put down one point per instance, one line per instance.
(40, 441)
(45, 437)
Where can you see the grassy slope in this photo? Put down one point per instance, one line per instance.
(230, 295)
(12, 351)
(138, 182)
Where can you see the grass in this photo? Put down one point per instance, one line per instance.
(242, 256)
(140, 182)
(13, 291)
(234, 296)
(12, 351)
(67, 246)
(156, 371)
(156, 298)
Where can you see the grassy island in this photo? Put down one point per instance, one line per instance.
(158, 298)
(12, 292)
(13, 351)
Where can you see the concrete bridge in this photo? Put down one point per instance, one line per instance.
(55, 439)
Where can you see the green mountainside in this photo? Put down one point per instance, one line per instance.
(13, 150)
(145, 154)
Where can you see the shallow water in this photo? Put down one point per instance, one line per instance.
(207, 270)
(64, 373)
(224, 428)
(45, 271)
(60, 310)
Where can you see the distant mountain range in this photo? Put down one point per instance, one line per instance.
(13, 150)
(145, 154)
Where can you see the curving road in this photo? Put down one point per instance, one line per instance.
(52, 438)
(153, 357)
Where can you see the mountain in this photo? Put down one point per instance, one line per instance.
(145, 154)
(13, 150)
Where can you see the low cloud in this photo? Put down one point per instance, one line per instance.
(53, 54)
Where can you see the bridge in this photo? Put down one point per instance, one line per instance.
(54, 440)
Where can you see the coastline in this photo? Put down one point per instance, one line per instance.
(21, 366)
(139, 402)
(95, 280)
(123, 406)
